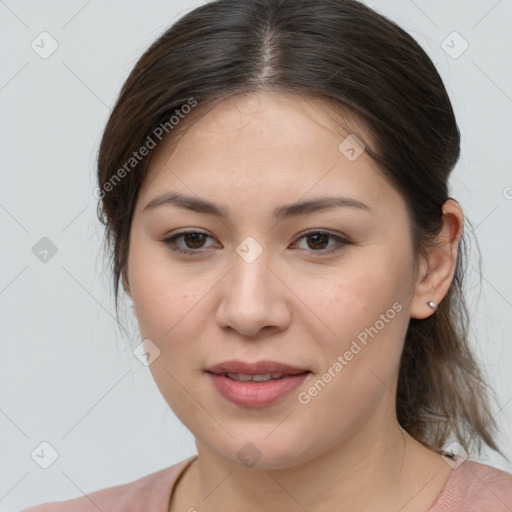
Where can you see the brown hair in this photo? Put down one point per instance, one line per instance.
(364, 65)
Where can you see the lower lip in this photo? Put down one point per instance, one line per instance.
(256, 394)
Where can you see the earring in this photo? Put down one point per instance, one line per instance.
(432, 304)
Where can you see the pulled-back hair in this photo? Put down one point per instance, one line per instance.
(366, 66)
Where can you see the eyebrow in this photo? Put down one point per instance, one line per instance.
(199, 205)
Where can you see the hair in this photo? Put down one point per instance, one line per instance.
(365, 65)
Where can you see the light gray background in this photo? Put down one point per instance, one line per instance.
(68, 376)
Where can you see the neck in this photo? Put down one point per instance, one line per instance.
(376, 469)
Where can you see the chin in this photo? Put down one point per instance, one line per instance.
(265, 453)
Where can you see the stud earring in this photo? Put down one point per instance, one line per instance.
(432, 304)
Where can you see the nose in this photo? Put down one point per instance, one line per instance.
(254, 298)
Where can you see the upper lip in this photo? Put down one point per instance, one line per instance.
(258, 368)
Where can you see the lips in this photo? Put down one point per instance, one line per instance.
(255, 384)
(259, 368)
(245, 377)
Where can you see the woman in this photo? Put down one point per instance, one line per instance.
(273, 183)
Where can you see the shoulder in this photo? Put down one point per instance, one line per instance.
(151, 492)
(473, 486)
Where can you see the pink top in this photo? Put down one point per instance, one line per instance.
(471, 487)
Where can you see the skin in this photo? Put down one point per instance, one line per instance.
(301, 302)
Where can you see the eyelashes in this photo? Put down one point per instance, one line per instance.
(171, 241)
(196, 237)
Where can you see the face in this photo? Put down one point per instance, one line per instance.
(326, 290)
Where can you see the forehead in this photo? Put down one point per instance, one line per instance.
(268, 117)
(273, 144)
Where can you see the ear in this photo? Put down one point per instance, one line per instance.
(436, 272)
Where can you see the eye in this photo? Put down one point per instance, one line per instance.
(318, 240)
(194, 241)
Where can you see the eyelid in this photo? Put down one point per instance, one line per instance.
(170, 240)
(320, 231)
(341, 239)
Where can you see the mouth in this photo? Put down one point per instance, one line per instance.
(255, 384)
(268, 369)
(261, 377)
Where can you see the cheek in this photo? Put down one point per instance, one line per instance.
(364, 321)
(161, 295)
(168, 313)
(353, 295)
(172, 309)
(360, 362)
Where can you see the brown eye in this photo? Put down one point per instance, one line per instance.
(318, 241)
(193, 242)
